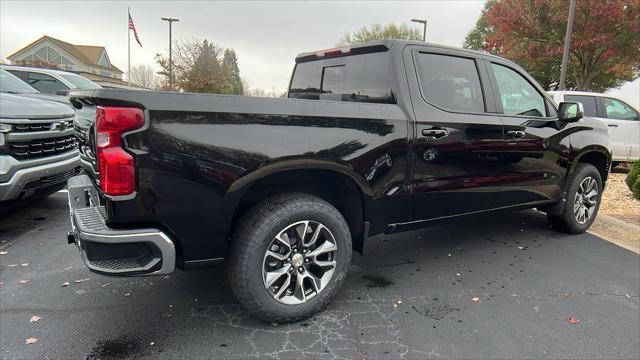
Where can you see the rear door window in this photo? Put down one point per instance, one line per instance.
(588, 102)
(359, 78)
(45, 83)
(450, 82)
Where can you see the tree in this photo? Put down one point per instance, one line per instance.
(143, 76)
(378, 32)
(230, 68)
(605, 46)
(198, 66)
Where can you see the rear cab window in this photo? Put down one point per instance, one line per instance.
(356, 78)
(450, 82)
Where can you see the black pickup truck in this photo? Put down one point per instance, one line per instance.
(377, 138)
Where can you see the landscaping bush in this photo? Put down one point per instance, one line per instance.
(633, 179)
(633, 174)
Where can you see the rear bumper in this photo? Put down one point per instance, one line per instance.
(108, 251)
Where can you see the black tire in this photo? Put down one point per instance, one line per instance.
(567, 221)
(251, 239)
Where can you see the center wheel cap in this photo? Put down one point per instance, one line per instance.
(297, 260)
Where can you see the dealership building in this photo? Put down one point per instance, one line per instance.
(91, 62)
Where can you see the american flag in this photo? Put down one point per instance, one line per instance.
(135, 33)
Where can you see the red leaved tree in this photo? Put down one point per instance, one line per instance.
(605, 44)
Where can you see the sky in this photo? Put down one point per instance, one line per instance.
(266, 35)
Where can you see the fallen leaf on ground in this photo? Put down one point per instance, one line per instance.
(35, 318)
(627, 296)
(80, 280)
(127, 294)
(105, 285)
(152, 343)
(30, 341)
(12, 265)
(475, 299)
(41, 244)
(66, 283)
(572, 320)
(4, 252)
(70, 267)
(24, 264)
(23, 281)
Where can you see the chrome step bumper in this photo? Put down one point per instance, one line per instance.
(108, 251)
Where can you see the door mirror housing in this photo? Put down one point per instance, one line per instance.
(570, 111)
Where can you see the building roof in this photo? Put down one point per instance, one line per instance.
(87, 54)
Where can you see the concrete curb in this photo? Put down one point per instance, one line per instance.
(619, 232)
(617, 222)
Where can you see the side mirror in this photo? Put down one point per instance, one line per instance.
(62, 92)
(570, 111)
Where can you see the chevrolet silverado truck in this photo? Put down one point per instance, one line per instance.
(376, 138)
(38, 151)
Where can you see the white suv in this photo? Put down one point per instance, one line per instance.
(49, 81)
(621, 118)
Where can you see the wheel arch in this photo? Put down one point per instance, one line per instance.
(335, 183)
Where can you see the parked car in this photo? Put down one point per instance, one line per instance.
(377, 138)
(10, 84)
(38, 151)
(621, 118)
(49, 81)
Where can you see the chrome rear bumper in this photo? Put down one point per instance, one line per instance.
(108, 251)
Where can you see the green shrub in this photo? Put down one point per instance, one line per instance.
(636, 188)
(632, 176)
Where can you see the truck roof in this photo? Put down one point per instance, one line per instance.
(380, 46)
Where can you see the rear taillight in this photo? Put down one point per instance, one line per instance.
(116, 166)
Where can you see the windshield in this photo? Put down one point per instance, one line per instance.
(81, 82)
(10, 83)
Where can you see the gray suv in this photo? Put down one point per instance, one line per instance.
(38, 150)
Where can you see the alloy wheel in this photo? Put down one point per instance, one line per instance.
(586, 200)
(299, 262)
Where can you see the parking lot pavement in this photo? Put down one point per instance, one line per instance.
(410, 296)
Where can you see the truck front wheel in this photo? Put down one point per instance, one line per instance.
(289, 255)
(583, 200)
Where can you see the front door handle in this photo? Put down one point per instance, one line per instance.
(517, 134)
(435, 133)
(612, 125)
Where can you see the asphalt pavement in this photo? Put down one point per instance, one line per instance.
(506, 286)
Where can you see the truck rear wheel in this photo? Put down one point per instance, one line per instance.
(289, 256)
(583, 201)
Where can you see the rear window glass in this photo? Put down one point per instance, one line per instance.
(451, 82)
(588, 103)
(360, 78)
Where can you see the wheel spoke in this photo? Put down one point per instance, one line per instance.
(299, 292)
(276, 255)
(326, 247)
(284, 287)
(325, 265)
(301, 231)
(591, 197)
(315, 236)
(273, 276)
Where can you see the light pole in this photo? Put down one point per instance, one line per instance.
(567, 43)
(171, 21)
(424, 29)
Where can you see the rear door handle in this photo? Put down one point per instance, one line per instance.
(435, 133)
(612, 125)
(517, 134)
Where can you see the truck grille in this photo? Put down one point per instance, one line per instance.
(33, 127)
(38, 148)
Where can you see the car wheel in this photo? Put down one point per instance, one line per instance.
(289, 255)
(583, 196)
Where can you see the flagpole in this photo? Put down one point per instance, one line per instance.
(128, 47)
